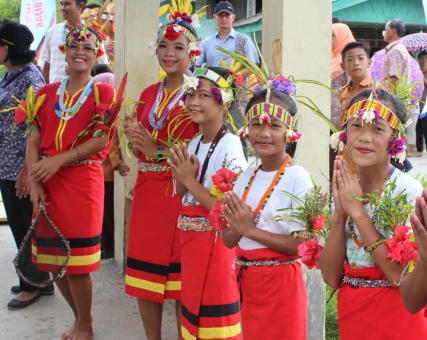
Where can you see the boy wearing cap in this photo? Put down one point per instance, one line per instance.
(228, 38)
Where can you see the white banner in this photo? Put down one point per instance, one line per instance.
(38, 16)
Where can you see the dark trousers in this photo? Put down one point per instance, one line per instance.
(421, 131)
(19, 214)
(238, 120)
(107, 240)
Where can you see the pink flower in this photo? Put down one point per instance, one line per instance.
(399, 248)
(20, 115)
(295, 135)
(101, 109)
(310, 253)
(397, 146)
(319, 222)
(216, 217)
(223, 179)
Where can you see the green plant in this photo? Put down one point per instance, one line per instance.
(422, 179)
(331, 325)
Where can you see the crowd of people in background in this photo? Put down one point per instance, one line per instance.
(218, 251)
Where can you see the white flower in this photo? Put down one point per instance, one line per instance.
(368, 116)
(152, 46)
(226, 97)
(335, 141)
(193, 47)
(169, 18)
(195, 20)
(400, 157)
(190, 83)
(177, 28)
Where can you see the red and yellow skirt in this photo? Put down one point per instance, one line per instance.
(210, 295)
(274, 296)
(75, 196)
(153, 268)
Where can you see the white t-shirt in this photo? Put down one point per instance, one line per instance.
(228, 151)
(357, 256)
(296, 181)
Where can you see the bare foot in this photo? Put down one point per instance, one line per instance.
(69, 333)
(81, 334)
(25, 296)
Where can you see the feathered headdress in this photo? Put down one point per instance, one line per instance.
(180, 10)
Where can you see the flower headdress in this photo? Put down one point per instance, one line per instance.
(368, 111)
(223, 93)
(85, 32)
(266, 80)
(180, 11)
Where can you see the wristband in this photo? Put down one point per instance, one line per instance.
(375, 244)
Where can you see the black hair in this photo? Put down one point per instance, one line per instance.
(92, 5)
(285, 101)
(385, 97)
(82, 1)
(355, 44)
(397, 25)
(225, 74)
(336, 20)
(18, 57)
(422, 53)
(100, 68)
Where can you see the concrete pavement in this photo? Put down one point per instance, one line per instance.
(115, 314)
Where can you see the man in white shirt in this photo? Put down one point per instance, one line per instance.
(54, 61)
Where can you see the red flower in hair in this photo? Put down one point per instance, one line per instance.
(223, 179)
(196, 53)
(100, 52)
(310, 253)
(62, 48)
(216, 217)
(170, 33)
(20, 115)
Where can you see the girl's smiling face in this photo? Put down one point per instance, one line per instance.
(173, 55)
(201, 104)
(268, 139)
(367, 143)
(81, 56)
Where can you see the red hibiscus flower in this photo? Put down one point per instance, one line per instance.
(101, 109)
(62, 48)
(216, 217)
(20, 115)
(170, 33)
(223, 179)
(399, 248)
(319, 222)
(239, 80)
(100, 52)
(310, 253)
(196, 53)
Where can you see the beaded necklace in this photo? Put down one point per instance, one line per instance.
(59, 99)
(156, 120)
(267, 194)
(374, 215)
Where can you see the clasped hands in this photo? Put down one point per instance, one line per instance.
(184, 167)
(239, 215)
(140, 137)
(345, 187)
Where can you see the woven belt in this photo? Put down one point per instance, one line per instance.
(151, 167)
(83, 162)
(263, 263)
(188, 223)
(366, 283)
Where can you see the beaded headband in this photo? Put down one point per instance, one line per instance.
(223, 93)
(83, 33)
(370, 109)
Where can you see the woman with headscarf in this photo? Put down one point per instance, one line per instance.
(16, 56)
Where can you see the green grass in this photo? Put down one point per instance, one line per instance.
(331, 326)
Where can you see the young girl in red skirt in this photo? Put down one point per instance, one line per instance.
(273, 293)
(210, 297)
(355, 255)
(71, 136)
(153, 268)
